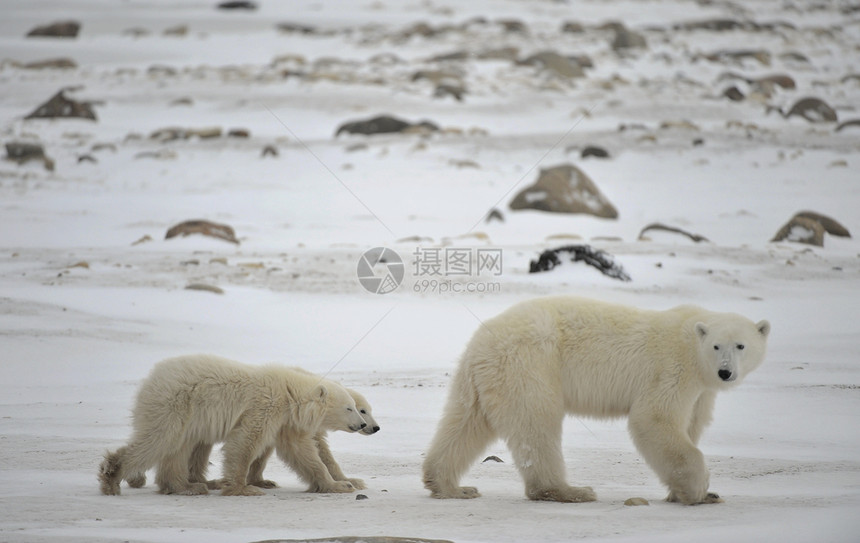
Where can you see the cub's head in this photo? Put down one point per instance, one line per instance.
(366, 412)
(730, 347)
(341, 411)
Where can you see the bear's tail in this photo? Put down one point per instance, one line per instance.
(110, 472)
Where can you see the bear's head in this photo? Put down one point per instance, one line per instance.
(366, 412)
(730, 347)
(341, 411)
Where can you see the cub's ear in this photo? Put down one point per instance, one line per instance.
(701, 330)
(320, 394)
(763, 328)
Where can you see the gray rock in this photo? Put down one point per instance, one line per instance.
(565, 189)
(555, 63)
(61, 107)
(62, 29)
(801, 230)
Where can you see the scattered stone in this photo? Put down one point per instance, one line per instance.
(513, 25)
(801, 230)
(204, 287)
(61, 107)
(601, 260)
(437, 76)
(269, 150)
(359, 497)
(205, 228)
(62, 29)
(206, 133)
(87, 158)
(736, 56)
(62, 63)
(715, 25)
(831, 226)
(555, 63)
(295, 28)
(625, 39)
(455, 55)
(597, 152)
(160, 154)
(636, 501)
(444, 90)
(493, 458)
(813, 110)
(237, 5)
(384, 124)
(657, 226)
(564, 189)
(22, 152)
(178, 31)
(501, 53)
(362, 539)
(848, 124)
(734, 94)
(495, 215)
(145, 239)
(573, 27)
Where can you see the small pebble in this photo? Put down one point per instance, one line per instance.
(636, 501)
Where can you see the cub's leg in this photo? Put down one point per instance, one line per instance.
(255, 473)
(299, 451)
(462, 435)
(242, 445)
(331, 464)
(667, 448)
(172, 473)
(198, 465)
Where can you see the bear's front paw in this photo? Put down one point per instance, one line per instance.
(686, 499)
(341, 486)
(215, 484)
(357, 483)
(264, 483)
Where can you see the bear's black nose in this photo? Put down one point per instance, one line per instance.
(725, 375)
(375, 429)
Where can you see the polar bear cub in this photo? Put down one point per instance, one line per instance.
(525, 369)
(189, 400)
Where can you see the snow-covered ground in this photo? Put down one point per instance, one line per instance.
(85, 310)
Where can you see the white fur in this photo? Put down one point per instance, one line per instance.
(195, 401)
(528, 367)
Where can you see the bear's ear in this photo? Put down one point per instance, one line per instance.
(321, 393)
(763, 328)
(701, 330)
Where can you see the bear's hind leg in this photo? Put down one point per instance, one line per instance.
(536, 448)
(173, 471)
(462, 435)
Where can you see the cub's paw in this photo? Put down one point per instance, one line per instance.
(215, 484)
(713, 497)
(566, 494)
(340, 487)
(264, 483)
(247, 490)
(680, 497)
(459, 493)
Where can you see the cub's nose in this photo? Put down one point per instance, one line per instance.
(725, 375)
(363, 425)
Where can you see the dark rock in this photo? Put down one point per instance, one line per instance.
(573, 27)
(269, 150)
(801, 230)
(625, 39)
(295, 28)
(831, 226)
(359, 497)
(237, 5)
(601, 260)
(51, 64)
(734, 94)
(513, 25)
(715, 25)
(657, 226)
(501, 53)
(556, 63)
(61, 107)
(239, 133)
(384, 124)
(455, 91)
(848, 124)
(495, 215)
(22, 152)
(203, 227)
(597, 152)
(564, 189)
(62, 29)
(813, 110)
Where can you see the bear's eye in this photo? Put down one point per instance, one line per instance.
(363, 412)
(349, 409)
(716, 347)
(740, 346)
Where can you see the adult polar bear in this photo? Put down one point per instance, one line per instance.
(526, 368)
(189, 400)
